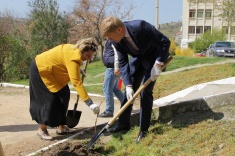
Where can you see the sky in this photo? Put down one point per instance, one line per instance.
(169, 10)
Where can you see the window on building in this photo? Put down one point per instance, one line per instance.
(232, 30)
(192, 13)
(191, 29)
(225, 29)
(208, 13)
(200, 13)
(201, 1)
(207, 28)
(199, 29)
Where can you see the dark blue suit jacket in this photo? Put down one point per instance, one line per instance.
(152, 45)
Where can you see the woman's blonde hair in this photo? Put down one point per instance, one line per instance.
(88, 44)
(110, 24)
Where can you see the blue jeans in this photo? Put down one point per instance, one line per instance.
(111, 87)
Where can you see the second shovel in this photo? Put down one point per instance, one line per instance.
(73, 116)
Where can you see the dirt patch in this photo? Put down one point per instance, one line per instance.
(70, 149)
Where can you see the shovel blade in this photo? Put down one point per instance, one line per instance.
(73, 118)
(96, 137)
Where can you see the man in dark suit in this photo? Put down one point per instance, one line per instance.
(148, 49)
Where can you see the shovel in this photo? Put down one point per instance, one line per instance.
(73, 116)
(124, 107)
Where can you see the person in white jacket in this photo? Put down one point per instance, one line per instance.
(111, 79)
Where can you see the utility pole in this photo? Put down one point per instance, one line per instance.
(157, 12)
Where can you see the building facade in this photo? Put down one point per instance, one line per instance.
(200, 16)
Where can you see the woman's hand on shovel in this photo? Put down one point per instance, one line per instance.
(83, 72)
(95, 108)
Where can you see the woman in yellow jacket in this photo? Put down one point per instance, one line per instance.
(50, 73)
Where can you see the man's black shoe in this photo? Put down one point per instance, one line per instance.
(119, 128)
(141, 135)
(105, 115)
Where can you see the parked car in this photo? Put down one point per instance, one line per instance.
(223, 49)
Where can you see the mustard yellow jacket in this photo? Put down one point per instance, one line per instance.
(59, 66)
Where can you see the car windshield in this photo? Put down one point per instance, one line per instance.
(225, 44)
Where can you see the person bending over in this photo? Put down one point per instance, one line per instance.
(49, 75)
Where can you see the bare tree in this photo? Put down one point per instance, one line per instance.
(228, 11)
(88, 14)
(6, 23)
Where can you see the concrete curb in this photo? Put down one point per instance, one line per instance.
(215, 94)
(27, 87)
(167, 112)
(170, 98)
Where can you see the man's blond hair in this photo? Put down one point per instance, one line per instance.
(110, 24)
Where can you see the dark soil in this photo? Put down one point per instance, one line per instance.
(70, 149)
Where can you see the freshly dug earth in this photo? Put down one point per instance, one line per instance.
(69, 149)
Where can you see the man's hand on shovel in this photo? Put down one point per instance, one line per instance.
(156, 70)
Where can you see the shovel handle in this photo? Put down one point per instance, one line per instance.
(76, 104)
(85, 69)
(141, 88)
